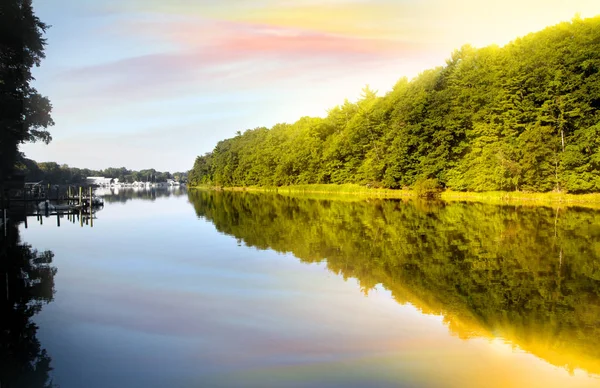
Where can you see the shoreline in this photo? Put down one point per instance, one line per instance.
(362, 192)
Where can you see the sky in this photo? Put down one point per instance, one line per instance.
(154, 83)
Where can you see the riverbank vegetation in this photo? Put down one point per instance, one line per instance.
(351, 192)
(523, 117)
(53, 172)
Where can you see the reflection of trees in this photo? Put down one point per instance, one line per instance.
(150, 194)
(26, 284)
(528, 274)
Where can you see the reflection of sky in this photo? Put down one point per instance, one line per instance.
(151, 296)
(140, 77)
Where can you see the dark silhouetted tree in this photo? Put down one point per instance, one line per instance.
(24, 113)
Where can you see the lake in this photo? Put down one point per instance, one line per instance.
(226, 289)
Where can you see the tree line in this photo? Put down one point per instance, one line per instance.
(525, 116)
(52, 172)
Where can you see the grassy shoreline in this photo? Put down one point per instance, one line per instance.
(360, 191)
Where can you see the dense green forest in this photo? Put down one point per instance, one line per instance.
(52, 172)
(530, 275)
(525, 116)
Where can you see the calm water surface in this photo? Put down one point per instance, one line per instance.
(208, 289)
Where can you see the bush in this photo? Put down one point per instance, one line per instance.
(427, 188)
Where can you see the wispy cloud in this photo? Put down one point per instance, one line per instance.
(247, 54)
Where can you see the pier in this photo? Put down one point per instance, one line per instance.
(73, 195)
(77, 204)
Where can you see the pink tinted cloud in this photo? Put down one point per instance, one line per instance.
(211, 52)
(258, 38)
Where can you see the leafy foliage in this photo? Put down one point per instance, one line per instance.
(24, 113)
(427, 188)
(522, 117)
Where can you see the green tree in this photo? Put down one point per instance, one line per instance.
(24, 113)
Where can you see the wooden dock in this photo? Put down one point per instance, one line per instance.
(77, 204)
(72, 195)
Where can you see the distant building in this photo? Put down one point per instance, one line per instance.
(98, 181)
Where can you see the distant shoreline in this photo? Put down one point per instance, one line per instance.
(361, 191)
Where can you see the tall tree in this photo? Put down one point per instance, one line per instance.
(24, 113)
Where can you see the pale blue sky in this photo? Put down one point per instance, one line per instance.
(153, 84)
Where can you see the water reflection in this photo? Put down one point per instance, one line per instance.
(528, 275)
(26, 285)
(111, 195)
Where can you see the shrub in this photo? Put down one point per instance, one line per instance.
(427, 188)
